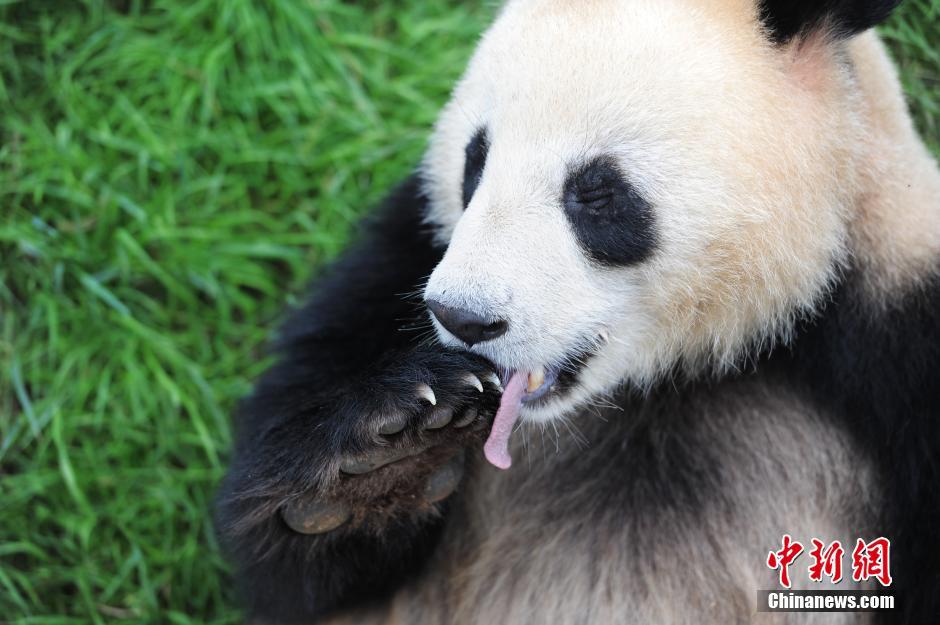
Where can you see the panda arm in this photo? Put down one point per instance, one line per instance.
(336, 355)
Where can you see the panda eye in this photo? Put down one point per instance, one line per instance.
(594, 187)
(612, 222)
(598, 185)
(474, 161)
(595, 199)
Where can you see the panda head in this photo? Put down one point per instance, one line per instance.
(629, 188)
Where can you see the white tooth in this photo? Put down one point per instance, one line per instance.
(536, 379)
(426, 392)
(493, 379)
(474, 381)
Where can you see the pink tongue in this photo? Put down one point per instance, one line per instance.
(496, 448)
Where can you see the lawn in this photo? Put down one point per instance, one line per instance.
(172, 174)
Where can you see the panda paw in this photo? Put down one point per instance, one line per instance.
(409, 429)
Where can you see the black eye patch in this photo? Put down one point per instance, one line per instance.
(474, 161)
(613, 223)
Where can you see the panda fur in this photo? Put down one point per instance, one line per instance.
(716, 221)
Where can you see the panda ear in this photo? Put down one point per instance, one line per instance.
(786, 19)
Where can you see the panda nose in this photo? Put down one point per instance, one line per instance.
(467, 325)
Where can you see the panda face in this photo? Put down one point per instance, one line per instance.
(632, 188)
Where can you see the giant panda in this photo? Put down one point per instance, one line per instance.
(664, 288)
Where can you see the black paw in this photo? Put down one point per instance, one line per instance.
(405, 437)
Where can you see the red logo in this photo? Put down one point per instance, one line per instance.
(872, 560)
(784, 558)
(869, 560)
(826, 562)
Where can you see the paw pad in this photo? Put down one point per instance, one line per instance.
(376, 459)
(315, 516)
(444, 481)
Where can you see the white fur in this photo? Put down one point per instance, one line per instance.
(749, 174)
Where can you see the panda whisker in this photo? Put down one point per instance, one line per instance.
(475, 120)
(580, 439)
(602, 402)
(526, 447)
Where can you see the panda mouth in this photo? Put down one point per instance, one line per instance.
(539, 382)
(530, 388)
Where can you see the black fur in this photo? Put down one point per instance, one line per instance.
(474, 162)
(343, 357)
(614, 225)
(785, 19)
(878, 371)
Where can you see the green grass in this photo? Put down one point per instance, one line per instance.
(913, 34)
(171, 173)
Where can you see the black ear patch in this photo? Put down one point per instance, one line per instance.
(613, 223)
(786, 19)
(474, 161)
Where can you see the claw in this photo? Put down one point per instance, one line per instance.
(473, 381)
(493, 379)
(427, 393)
